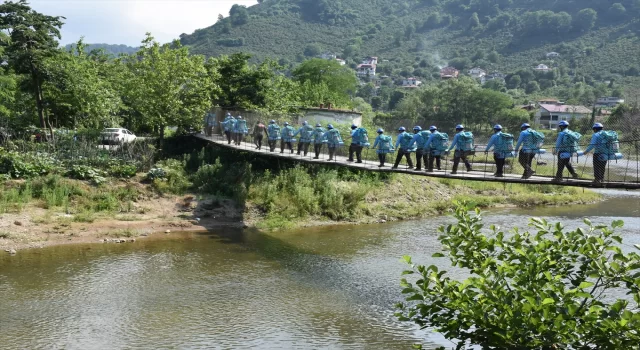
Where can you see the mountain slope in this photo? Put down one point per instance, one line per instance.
(597, 40)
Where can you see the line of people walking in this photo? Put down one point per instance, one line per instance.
(431, 145)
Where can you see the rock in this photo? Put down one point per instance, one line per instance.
(12, 251)
(385, 218)
(383, 221)
(106, 240)
(144, 234)
(132, 240)
(167, 231)
(245, 226)
(17, 223)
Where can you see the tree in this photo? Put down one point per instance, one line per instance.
(548, 289)
(312, 50)
(617, 10)
(78, 89)
(474, 21)
(340, 82)
(167, 86)
(493, 57)
(514, 82)
(532, 87)
(33, 40)
(240, 85)
(238, 14)
(585, 19)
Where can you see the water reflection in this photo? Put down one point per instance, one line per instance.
(330, 287)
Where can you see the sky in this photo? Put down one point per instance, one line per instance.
(127, 21)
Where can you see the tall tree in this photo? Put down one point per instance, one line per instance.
(167, 86)
(33, 40)
(338, 81)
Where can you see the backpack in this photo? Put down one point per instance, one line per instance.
(504, 144)
(361, 136)
(334, 137)
(440, 142)
(274, 131)
(465, 139)
(537, 138)
(287, 131)
(385, 142)
(612, 144)
(241, 125)
(570, 142)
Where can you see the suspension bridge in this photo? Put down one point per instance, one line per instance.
(621, 174)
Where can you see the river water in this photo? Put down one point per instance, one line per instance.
(330, 288)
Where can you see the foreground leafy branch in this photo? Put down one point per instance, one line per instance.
(546, 289)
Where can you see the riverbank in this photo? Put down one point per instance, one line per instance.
(53, 211)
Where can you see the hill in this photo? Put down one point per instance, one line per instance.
(597, 40)
(109, 49)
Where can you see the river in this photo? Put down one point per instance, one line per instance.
(330, 287)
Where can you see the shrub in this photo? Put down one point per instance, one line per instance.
(26, 165)
(169, 176)
(85, 172)
(124, 171)
(550, 289)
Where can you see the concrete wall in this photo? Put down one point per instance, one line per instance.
(330, 117)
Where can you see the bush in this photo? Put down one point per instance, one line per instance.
(20, 165)
(550, 289)
(169, 176)
(85, 172)
(124, 171)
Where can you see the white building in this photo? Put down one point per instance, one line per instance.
(328, 56)
(542, 68)
(552, 54)
(371, 61)
(411, 82)
(477, 73)
(609, 101)
(341, 61)
(366, 70)
(549, 115)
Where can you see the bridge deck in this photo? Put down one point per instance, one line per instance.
(484, 174)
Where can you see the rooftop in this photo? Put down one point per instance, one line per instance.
(558, 108)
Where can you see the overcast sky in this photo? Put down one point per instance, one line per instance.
(127, 21)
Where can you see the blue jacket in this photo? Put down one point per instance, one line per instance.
(273, 133)
(383, 144)
(229, 123)
(240, 127)
(306, 134)
(599, 145)
(333, 138)
(456, 143)
(357, 137)
(526, 141)
(420, 139)
(287, 133)
(562, 153)
(318, 136)
(492, 143)
(404, 142)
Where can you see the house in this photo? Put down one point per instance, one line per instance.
(552, 54)
(477, 73)
(370, 60)
(528, 107)
(411, 83)
(549, 101)
(609, 101)
(542, 68)
(549, 115)
(493, 76)
(449, 73)
(328, 56)
(366, 70)
(330, 116)
(341, 61)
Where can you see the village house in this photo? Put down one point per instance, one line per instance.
(370, 60)
(477, 73)
(328, 56)
(609, 101)
(341, 61)
(411, 82)
(366, 70)
(549, 115)
(542, 68)
(552, 54)
(449, 73)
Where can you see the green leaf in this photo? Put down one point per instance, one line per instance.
(438, 255)
(586, 284)
(407, 259)
(407, 272)
(587, 222)
(617, 224)
(548, 301)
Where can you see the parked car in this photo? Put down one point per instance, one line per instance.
(116, 136)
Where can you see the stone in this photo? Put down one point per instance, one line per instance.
(383, 221)
(17, 223)
(167, 231)
(133, 240)
(12, 251)
(144, 234)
